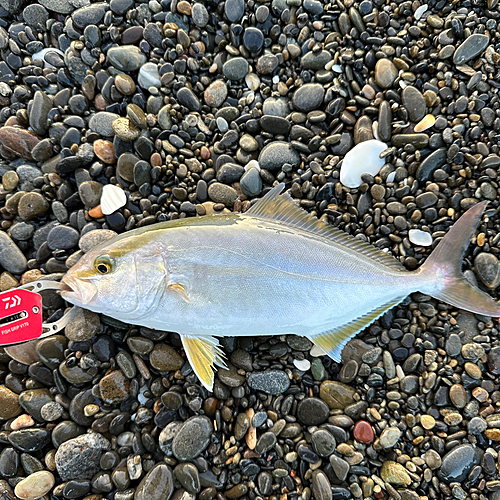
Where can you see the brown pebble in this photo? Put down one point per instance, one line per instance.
(15, 141)
(114, 387)
(105, 151)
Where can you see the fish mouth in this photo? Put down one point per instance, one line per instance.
(81, 291)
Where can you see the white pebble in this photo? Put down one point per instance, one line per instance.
(302, 364)
(329, 65)
(375, 130)
(112, 199)
(222, 124)
(337, 68)
(362, 159)
(35, 486)
(41, 55)
(149, 76)
(252, 163)
(253, 81)
(276, 79)
(420, 12)
(420, 238)
(316, 351)
(391, 177)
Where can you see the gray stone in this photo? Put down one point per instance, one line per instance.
(89, 15)
(235, 68)
(470, 48)
(458, 463)
(101, 123)
(93, 238)
(192, 438)
(63, 238)
(78, 458)
(11, 257)
(276, 154)
(59, 6)
(269, 381)
(308, 97)
(157, 484)
(126, 57)
(42, 104)
(251, 182)
(414, 102)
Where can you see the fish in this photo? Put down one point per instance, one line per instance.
(272, 270)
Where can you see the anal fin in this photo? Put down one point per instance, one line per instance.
(204, 354)
(333, 341)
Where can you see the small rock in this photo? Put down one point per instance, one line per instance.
(269, 381)
(394, 474)
(192, 438)
(35, 486)
(79, 458)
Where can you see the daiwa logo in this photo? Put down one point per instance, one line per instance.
(12, 301)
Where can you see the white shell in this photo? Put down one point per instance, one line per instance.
(316, 351)
(420, 12)
(112, 199)
(362, 159)
(222, 124)
(420, 238)
(149, 76)
(391, 177)
(302, 364)
(41, 55)
(252, 163)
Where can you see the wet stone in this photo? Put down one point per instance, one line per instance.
(30, 440)
(265, 443)
(336, 395)
(312, 411)
(187, 474)
(157, 484)
(269, 381)
(323, 442)
(165, 358)
(188, 98)
(192, 438)
(308, 97)
(276, 154)
(385, 73)
(235, 68)
(32, 401)
(78, 458)
(11, 257)
(363, 432)
(488, 269)
(9, 404)
(473, 45)
(321, 487)
(253, 39)
(414, 102)
(126, 57)
(458, 463)
(114, 387)
(394, 474)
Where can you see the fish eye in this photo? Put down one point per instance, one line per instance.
(103, 264)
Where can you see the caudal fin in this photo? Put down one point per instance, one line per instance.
(445, 265)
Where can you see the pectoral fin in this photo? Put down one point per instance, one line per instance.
(179, 289)
(203, 354)
(332, 342)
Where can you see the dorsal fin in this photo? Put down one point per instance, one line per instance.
(277, 207)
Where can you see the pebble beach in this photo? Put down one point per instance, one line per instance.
(381, 117)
